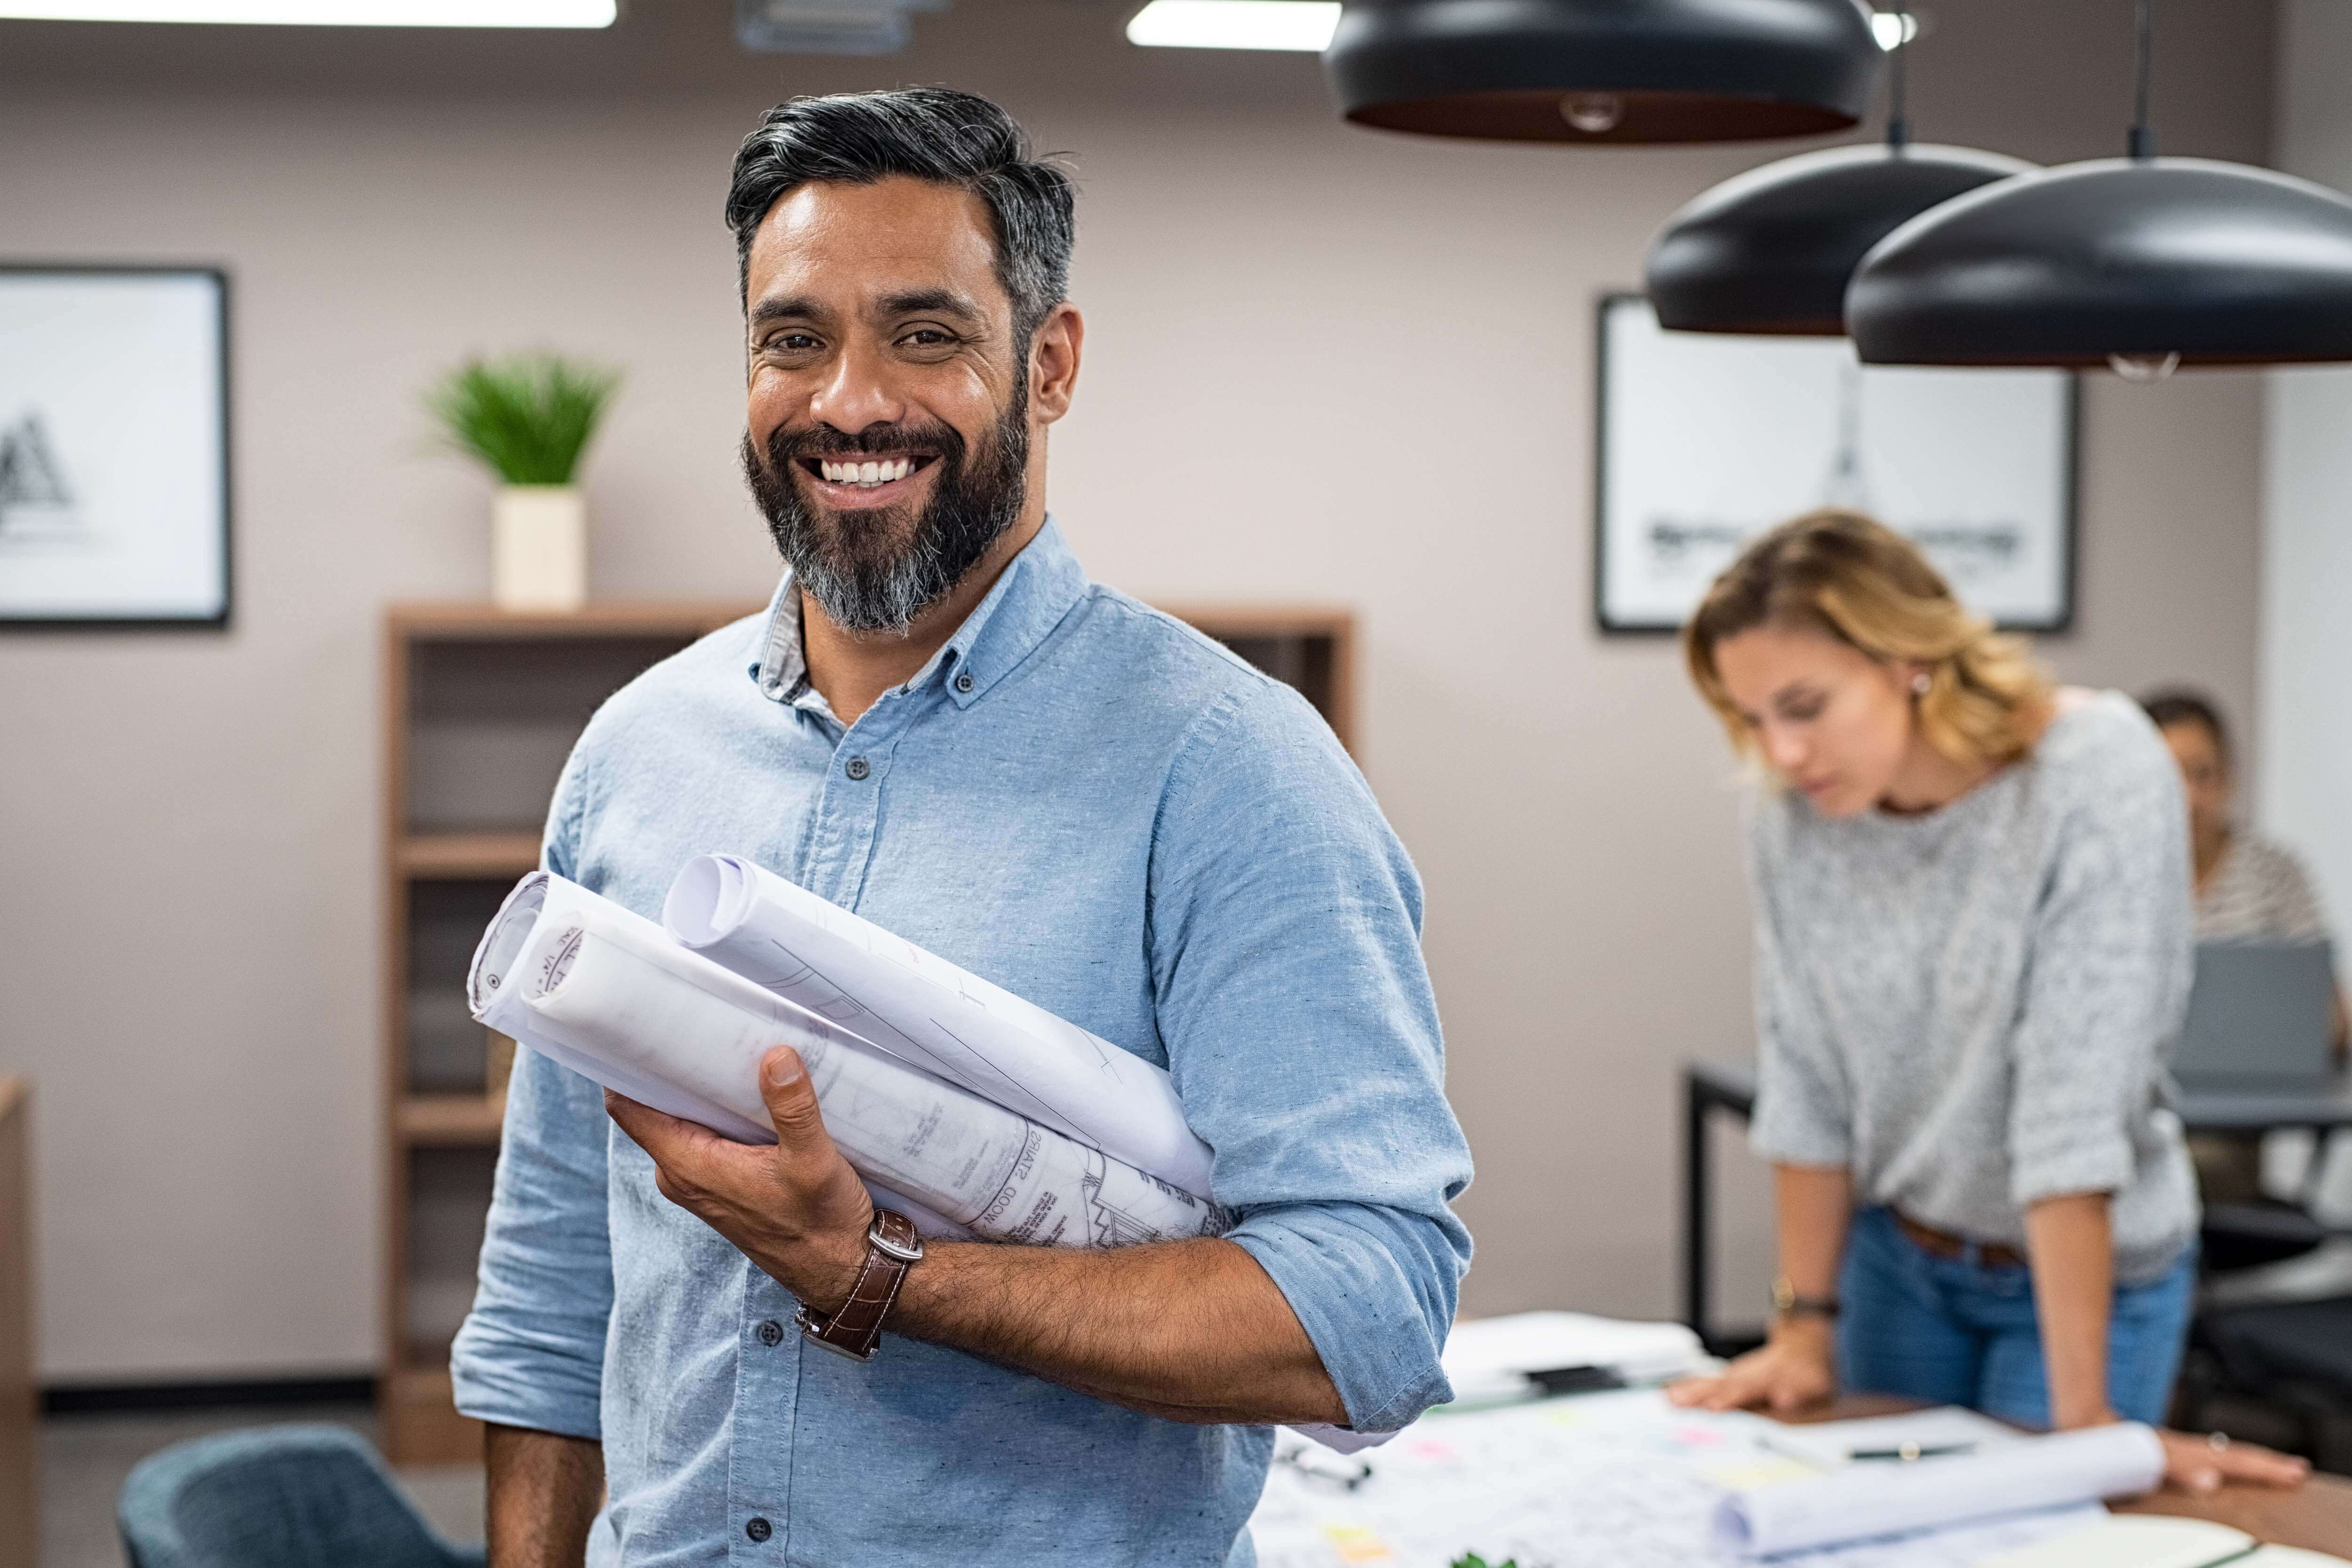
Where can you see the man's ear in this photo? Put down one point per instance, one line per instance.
(1054, 351)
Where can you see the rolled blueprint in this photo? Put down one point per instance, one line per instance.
(918, 1007)
(1863, 1500)
(613, 991)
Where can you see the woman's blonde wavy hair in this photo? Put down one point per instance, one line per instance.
(1856, 580)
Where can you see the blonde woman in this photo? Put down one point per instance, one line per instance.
(1972, 945)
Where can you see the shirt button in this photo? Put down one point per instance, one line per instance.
(963, 681)
(857, 769)
(772, 1332)
(759, 1529)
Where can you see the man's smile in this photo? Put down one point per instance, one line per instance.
(861, 480)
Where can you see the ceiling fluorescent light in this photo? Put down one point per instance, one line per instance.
(321, 12)
(1302, 25)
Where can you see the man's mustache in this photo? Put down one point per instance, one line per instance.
(785, 448)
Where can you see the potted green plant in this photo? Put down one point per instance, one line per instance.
(528, 418)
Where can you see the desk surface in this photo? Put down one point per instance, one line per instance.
(2201, 1111)
(2317, 1515)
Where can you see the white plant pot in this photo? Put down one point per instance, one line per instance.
(539, 547)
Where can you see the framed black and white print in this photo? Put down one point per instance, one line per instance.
(114, 467)
(1708, 439)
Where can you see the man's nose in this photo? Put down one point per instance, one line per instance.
(857, 394)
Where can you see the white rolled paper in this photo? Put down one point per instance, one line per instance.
(918, 1007)
(612, 990)
(1863, 1500)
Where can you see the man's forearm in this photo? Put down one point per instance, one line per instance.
(2071, 1246)
(544, 1491)
(1191, 1330)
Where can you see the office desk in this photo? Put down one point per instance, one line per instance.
(2316, 1516)
(1709, 1087)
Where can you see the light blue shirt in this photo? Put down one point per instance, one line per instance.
(1098, 808)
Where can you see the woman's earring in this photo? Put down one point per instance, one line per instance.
(1921, 682)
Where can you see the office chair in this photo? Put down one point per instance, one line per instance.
(277, 1497)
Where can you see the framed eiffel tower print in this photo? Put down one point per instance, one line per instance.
(114, 447)
(1705, 440)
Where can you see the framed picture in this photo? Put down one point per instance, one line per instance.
(114, 468)
(1708, 439)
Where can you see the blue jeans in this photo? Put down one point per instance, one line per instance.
(1956, 1331)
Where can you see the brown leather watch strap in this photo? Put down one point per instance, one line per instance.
(891, 1245)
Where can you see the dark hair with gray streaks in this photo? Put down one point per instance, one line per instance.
(931, 133)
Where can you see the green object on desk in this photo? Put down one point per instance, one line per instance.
(1472, 1560)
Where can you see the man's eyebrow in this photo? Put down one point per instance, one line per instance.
(929, 301)
(788, 308)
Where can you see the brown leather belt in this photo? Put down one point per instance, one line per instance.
(1944, 1244)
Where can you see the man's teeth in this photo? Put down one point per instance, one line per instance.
(867, 473)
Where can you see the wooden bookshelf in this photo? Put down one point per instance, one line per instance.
(481, 708)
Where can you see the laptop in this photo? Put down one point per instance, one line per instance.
(2260, 1016)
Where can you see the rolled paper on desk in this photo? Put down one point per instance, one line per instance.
(924, 1010)
(1863, 1501)
(615, 992)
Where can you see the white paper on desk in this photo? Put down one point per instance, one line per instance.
(1492, 1358)
(1829, 1443)
(615, 992)
(1866, 1500)
(917, 1006)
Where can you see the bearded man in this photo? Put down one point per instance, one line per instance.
(942, 724)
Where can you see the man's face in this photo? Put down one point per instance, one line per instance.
(888, 433)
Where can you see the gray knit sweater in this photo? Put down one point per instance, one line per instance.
(1971, 1008)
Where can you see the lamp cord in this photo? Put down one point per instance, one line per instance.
(2142, 144)
(1898, 107)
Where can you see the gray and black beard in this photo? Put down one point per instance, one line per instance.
(872, 570)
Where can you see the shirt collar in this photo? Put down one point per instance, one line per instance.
(1021, 609)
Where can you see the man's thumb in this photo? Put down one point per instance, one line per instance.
(791, 1097)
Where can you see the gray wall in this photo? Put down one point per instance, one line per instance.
(2306, 637)
(1297, 332)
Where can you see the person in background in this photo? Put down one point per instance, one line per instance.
(1972, 938)
(2248, 888)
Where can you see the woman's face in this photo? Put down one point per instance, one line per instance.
(1826, 717)
(2204, 772)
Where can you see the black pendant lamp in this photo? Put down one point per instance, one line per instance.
(2141, 263)
(1604, 71)
(1772, 250)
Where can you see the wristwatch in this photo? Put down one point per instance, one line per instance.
(891, 1243)
(1787, 1303)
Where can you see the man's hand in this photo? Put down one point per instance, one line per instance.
(1187, 1330)
(797, 1209)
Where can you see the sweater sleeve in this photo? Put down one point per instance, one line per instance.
(2107, 982)
(1804, 1110)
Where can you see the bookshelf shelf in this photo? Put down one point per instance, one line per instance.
(449, 1120)
(438, 856)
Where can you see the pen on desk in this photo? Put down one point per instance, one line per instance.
(1909, 1451)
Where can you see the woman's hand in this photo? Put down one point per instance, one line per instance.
(2199, 1463)
(1794, 1369)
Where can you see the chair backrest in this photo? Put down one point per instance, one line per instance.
(275, 1497)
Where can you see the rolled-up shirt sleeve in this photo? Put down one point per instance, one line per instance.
(1804, 1108)
(2106, 990)
(531, 1353)
(1303, 1037)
